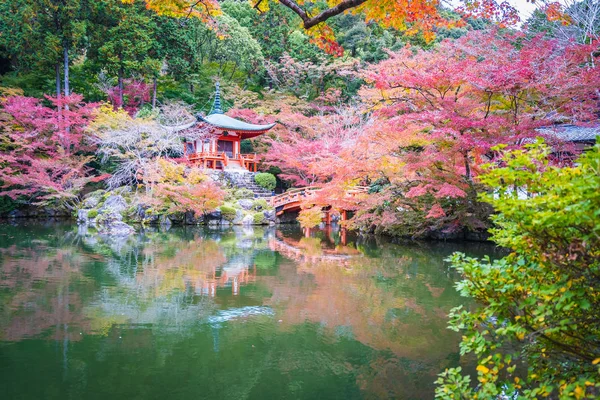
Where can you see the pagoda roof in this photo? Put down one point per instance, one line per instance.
(226, 122)
(219, 120)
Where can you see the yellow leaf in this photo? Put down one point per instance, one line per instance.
(483, 369)
(596, 361)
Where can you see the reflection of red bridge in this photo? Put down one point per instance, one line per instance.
(292, 200)
(299, 251)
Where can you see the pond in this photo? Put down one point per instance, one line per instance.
(243, 313)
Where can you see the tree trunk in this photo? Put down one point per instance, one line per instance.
(58, 95)
(467, 167)
(154, 87)
(66, 88)
(234, 70)
(121, 87)
(66, 66)
(58, 89)
(154, 90)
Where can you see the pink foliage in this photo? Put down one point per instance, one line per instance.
(447, 190)
(436, 211)
(42, 146)
(436, 115)
(135, 94)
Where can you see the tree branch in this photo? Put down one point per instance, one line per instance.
(309, 21)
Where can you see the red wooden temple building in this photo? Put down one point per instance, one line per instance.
(223, 151)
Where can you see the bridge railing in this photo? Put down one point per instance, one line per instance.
(297, 195)
(292, 196)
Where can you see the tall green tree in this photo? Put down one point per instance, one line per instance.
(43, 35)
(124, 41)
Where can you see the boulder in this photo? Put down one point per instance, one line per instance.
(214, 216)
(239, 217)
(151, 219)
(91, 202)
(16, 214)
(164, 221)
(115, 203)
(176, 218)
(270, 215)
(191, 219)
(109, 223)
(246, 204)
(82, 216)
(115, 228)
(248, 220)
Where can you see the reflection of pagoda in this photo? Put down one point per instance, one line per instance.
(234, 273)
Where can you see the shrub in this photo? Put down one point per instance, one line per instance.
(228, 212)
(265, 180)
(244, 194)
(310, 217)
(92, 213)
(538, 305)
(259, 218)
(260, 204)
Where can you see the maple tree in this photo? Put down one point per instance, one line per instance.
(310, 149)
(177, 188)
(134, 145)
(435, 116)
(440, 112)
(43, 150)
(131, 95)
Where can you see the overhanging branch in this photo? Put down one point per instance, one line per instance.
(309, 21)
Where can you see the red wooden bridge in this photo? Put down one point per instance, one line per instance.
(292, 200)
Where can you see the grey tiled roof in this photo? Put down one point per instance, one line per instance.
(225, 122)
(572, 133)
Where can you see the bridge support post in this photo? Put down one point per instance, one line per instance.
(344, 215)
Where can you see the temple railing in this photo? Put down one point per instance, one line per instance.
(209, 159)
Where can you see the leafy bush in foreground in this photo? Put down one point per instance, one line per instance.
(541, 304)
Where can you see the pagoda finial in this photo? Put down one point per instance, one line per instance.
(216, 108)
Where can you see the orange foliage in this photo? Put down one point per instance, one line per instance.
(411, 17)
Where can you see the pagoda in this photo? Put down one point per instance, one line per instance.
(223, 150)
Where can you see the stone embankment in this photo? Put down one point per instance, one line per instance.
(117, 211)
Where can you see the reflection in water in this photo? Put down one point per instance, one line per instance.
(242, 313)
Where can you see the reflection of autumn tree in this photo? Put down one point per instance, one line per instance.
(357, 315)
(38, 294)
(56, 285)
(396, 301)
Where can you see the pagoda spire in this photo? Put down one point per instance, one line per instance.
(216, 108)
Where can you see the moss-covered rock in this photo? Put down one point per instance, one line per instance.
(244, 194)
(93, 213)
(228, 213)
(260, 204)
(258, 218)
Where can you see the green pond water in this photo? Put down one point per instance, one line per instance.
(194, 313)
